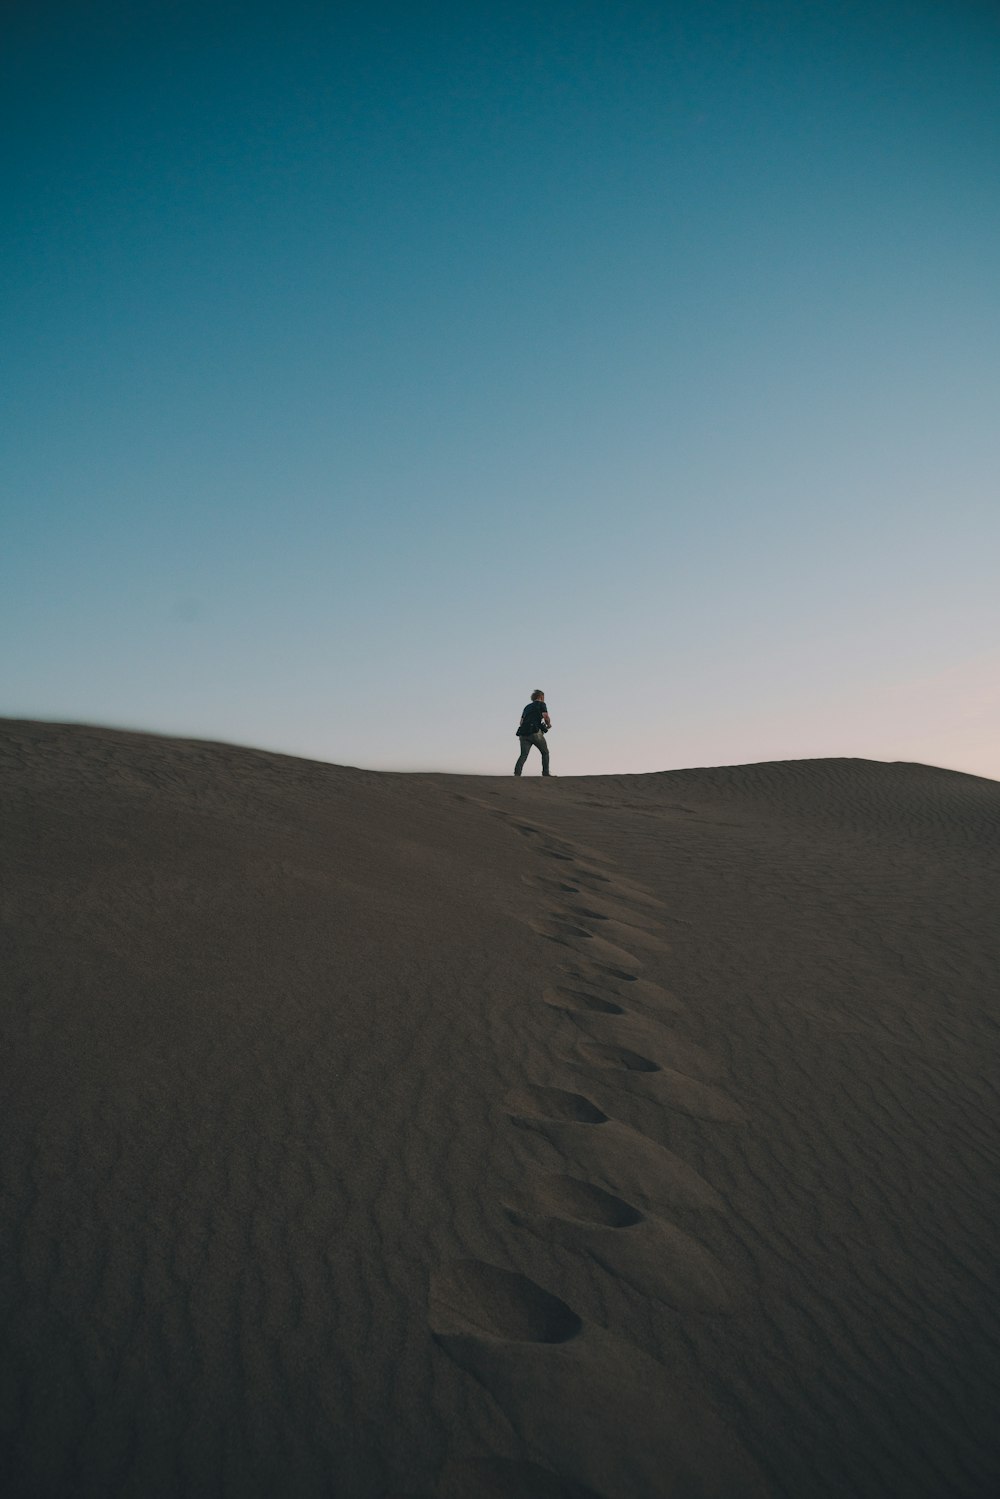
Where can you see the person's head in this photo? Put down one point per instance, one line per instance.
(538, 696)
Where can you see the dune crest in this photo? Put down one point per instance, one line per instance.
(378, 1134)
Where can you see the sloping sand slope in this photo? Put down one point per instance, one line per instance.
(373, 1134)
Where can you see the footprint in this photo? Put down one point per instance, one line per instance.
(634, 1032)
(622, 984)
(617, 1056)
(543, 882)
(620, 915)
(543, 842)
(655, 1257)
(473, 1297)
(615, 927)
(501, 1478)
(611, 927)
(644, 937)
(588, 872)
(577, 939)
(531, 1102)
(622, 1161)
(606, 970)
(581, 873)
(663, 1085)
(567, 1197)
(558, 926)
(635, 899)
(574, 1000)
(583, 1402)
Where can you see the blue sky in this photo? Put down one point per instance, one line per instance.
(367, 366)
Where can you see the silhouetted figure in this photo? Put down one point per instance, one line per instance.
(535, 724)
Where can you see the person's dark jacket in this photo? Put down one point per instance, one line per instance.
(531, 719)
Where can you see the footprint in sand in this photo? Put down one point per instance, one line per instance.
(608, 911)
(593, 1408)
(621, 983)
(545, 843)
(561, 852)
(613, 887)
(556, 885)
(531, 1102)
(652, 1255)
(578, 1000)
(661, 1084)
(601, 1025)
(628, 932)
(575, 937)
(588, 879)
(578, 1202)
(617, 1056)
(593, 969)
(610, 898)
(606, 1151)
(474, 1297)
(586, 876)
(618, 917)
(556, 924)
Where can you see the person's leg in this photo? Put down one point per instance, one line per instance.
(525, 747)
(543, 746)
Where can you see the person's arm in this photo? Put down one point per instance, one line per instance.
(546, 720)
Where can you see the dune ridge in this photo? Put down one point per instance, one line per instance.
(379, 1134)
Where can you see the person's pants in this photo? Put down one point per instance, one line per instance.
(538, 740)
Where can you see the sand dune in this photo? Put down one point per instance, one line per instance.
(379, 1135)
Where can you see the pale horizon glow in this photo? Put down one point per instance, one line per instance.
(365, 369)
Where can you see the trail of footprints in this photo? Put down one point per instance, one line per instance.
(571, 1389)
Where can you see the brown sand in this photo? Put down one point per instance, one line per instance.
(372, 1134)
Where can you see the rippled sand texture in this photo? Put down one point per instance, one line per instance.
(382, 1135)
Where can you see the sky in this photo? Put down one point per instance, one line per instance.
(367, 366)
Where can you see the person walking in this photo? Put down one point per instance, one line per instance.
(535, 724)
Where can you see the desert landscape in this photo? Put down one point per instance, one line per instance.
(374, 1134)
